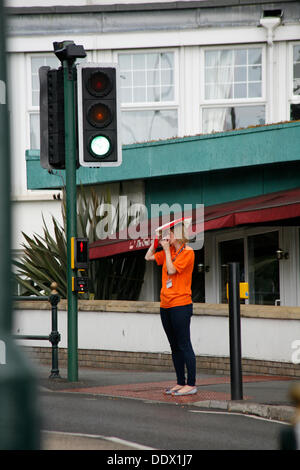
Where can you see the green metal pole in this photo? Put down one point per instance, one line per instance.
(19, 418)
(71, 212)
(5, 220)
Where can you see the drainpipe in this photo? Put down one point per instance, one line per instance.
(270, 23)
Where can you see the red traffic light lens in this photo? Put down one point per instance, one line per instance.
(99, 115)
(99, 84)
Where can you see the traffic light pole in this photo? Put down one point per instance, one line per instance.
(67, 52)
(71, 212)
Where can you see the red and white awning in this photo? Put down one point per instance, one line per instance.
(274, 207)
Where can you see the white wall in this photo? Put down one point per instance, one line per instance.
(262, 339)
(27, 217)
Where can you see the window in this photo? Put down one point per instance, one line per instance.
(235, 73)
(232, 118)
(295, 98)
(34, 119)
(147, 77)
(295, 112)
(296, 70)
(149, 108)
(233, 89)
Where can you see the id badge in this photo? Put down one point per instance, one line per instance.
(169, 283)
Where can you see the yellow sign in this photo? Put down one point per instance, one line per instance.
(73, 253)
(244, 290)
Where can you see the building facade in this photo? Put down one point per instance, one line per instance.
(210, 102)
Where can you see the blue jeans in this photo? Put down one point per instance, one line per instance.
(176, 323)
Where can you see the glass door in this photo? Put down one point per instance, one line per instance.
(263, 268)
(231, 251)
(259, 266)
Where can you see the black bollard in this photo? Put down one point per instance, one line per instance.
(54, 336)
(235, 332)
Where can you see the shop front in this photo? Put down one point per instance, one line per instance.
(259, 233)
(248, 181)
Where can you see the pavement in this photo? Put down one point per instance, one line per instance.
(264, 396)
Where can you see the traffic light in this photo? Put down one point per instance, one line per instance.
(79, 253)
(80, 284)
(99, 139)
(80, 261)
(52, 118)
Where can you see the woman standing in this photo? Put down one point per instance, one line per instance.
(176, 308)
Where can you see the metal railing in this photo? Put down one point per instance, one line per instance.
(54, 336)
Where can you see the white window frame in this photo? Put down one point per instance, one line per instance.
(232, 102)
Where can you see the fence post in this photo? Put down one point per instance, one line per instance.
(54, 336)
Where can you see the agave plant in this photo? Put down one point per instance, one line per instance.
(45, 256)
(116, 277)
(44, 261)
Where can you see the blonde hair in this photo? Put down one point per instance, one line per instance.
(181, 238)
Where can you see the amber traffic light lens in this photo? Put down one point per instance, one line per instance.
(99, 84)
(99, 115)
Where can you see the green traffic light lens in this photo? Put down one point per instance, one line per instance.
(100, 146)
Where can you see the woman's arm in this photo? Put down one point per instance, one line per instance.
(170, 266)
(150, 253)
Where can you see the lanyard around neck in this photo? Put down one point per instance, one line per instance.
(178, 253)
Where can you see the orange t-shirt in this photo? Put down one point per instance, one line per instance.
(180, 292)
